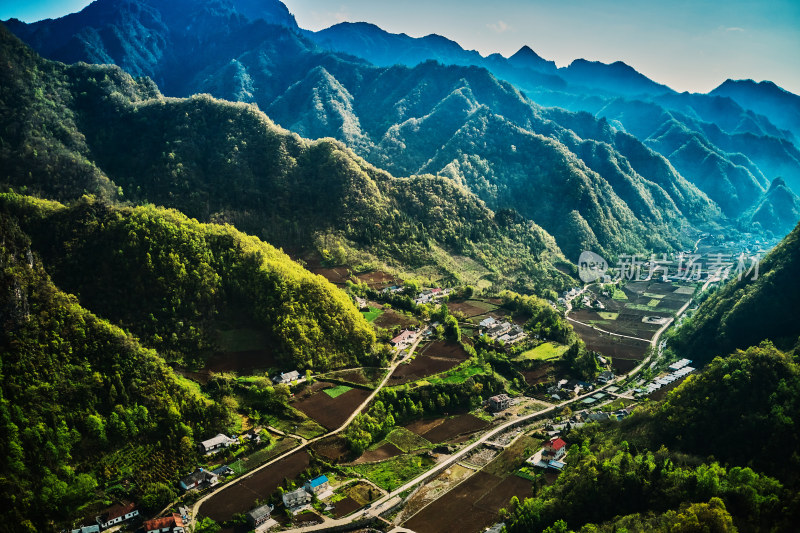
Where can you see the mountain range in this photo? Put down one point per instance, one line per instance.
(591, 180)
(94, 129)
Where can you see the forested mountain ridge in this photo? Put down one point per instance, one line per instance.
(745, 312)
(172, 281)
(742, 142)
(372, 109)
(224, 162)
(75, 389)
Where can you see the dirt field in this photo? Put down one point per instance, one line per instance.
(539, 375)
(434, 358)
(448, 428)
(378, 279)
(391, 318)
(240, 498)
(421, 367)
(447, 349)
(471, 307)
(337, 276)
(386, 451)
(611, 345)
(332, 448)
(471, 506)
(629, 322)
(331, 412)
(345, 507)
(360, 376)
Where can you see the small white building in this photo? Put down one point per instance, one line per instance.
(215, 443)
(287, 378)
(117, 514)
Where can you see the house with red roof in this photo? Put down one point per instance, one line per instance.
(554, 449)
(167, 524)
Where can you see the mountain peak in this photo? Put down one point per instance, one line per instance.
(777, 183)
(526, 57)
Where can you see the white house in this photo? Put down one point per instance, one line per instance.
(287, 377)
(215, 443)
(117, 514)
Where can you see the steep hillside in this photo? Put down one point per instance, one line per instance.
(745, 312)
(778, 205)
(173, 282)
(224, 162)
(79, 399)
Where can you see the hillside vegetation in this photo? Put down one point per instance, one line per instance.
(171, 280)
(745, 312)
(223, 162)
(75, 390)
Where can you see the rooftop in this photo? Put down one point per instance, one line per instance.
(317, 481)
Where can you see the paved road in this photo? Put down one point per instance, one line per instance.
(305, 443)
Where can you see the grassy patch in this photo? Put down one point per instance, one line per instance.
(393, 473)
(460, 374)
(653, 303)
(406, 440)
(335, 392)
(544, 352)
(608, 315)
(372, 314)
(299, 425)
(256, 459)
(653, 295)
(619, 294)
(527, 473)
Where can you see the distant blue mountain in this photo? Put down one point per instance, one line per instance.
(765, 98)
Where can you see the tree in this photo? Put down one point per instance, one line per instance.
(206, 525)
(157, 496)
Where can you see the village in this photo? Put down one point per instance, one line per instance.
(533, 414)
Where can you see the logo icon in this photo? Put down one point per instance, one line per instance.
(591, 267)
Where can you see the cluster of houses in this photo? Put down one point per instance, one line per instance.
(678, 370)
(298, 499)
(501, 330)
(568, 387)
(431, 295)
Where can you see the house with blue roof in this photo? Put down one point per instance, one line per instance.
(318, 485)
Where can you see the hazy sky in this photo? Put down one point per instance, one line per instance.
(687, 44)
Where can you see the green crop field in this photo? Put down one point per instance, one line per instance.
(372, 314)
(335, 392)
(619, 295)
(544, 352)
(608, 315)
(393, 473)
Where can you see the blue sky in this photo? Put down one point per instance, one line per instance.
(688, 44)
